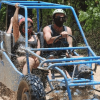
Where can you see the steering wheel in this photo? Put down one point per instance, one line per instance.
(59, 39)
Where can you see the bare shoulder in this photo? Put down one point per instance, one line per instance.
(69, 30)
(46, 28)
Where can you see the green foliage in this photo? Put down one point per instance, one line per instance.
(2, 17)
(91, 26)
(83, 16)
(91, 16)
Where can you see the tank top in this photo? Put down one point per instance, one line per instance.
(58, 43)
(21, 44)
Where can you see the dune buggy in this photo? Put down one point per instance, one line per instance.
(32, 86)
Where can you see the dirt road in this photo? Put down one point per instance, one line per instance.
(6, 94)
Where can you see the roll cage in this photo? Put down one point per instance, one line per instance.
(92, 58)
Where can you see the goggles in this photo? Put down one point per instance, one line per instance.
(28, 27)
(61, 18)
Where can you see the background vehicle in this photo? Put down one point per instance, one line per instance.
(31, 86)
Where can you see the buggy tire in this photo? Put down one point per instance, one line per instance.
(42, 74)
(30, 88)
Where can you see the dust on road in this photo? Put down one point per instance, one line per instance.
(7, 94)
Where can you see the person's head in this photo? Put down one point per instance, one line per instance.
(20, 17)
(22, 26)
(59, 17)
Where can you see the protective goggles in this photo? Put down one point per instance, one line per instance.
(60, 18)
(29, 27)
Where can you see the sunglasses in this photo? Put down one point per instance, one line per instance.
(29, 27)
(58, 17)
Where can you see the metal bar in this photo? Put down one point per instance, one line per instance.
(40, 7)
(79, 80)
(26, 26)
(71, 63)
(84, 84)
(26, 40)
(36, 4)
(38, 24)
(41, 58)
(4, 53)
(66, 82)
(52, 88)
(26, 2)
(70, 81)
(71, 59)
(13, 4)
(80, 28)
(49, 7)
(74, 72)
(33, 3)
(91, 51)
(58, 48)
(20, 1)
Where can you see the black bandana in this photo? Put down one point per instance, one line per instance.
(58, 21)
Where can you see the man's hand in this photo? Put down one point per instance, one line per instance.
(64, 34)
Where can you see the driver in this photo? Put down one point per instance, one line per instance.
(51, 32)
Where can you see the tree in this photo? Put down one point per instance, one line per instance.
(91, 23)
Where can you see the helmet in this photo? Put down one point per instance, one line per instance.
(23, 20)
(59, 11)
(20, 17)
(21, 25)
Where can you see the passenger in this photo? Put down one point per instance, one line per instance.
(19, 37)
(51, 32)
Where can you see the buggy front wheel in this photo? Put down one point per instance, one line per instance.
(30, 88)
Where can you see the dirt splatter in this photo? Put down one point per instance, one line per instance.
(7, 94)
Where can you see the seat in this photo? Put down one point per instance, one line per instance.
(8, 43)
(40, 36)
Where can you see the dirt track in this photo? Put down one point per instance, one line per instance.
(6, 94)
(97, 78)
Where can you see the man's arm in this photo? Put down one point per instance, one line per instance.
(69, 39)
(47, 35)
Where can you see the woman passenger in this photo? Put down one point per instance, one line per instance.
(19, 37)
